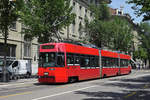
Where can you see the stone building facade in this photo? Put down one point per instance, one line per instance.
(74, 32)
(21, 47)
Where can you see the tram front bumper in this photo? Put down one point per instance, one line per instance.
(46, 79)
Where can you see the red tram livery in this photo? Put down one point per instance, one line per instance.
(65, 62)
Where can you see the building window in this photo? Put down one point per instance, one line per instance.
(85, 10)
(80, 10)
(11, 50)
(80, 29)
(27, 47)
(13, 26)
(86, 13)
(96, 2)
(73, 27)
(91, 14)
(74, 5)
(91, 1)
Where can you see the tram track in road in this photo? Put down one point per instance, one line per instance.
(32, 87)
(18, 82)
(27, 88)
(17, 94)
(35, 85)
(24, 90)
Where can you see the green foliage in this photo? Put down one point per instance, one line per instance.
(141, 7)
(43, 19)
(99, 32)
(8, 14)
(141, 53)
(107, 31)
(145, 38)
(101, 12)
(145, 27)
(122, 37)
(97, 28)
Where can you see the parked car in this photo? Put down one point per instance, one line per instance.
(17, 68)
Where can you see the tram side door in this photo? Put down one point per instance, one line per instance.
(100, 64)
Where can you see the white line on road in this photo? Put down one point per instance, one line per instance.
(63, 93)
(16, 84)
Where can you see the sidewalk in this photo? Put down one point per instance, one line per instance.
(19, 81)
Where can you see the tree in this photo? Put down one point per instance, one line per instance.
(101, 12)
(122, 37)
(141, 7)
(141, 54)
(108, 31)
(145, 40)
(96, 29)
(7, 17)
(43, 19)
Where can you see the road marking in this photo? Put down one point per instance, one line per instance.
(15, 94)
(131, 94)
(146, 86)
(17, 84)
(63, 93)
(20, 88)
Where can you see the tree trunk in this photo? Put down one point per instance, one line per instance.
(5, 54)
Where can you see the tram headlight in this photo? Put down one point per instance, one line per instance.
(46, 73)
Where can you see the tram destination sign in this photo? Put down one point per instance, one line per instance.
(48, 47)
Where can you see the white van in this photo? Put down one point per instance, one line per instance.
(21, 68)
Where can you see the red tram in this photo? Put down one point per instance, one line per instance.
(65, 62)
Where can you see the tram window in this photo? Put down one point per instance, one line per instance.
(60, 59)
(87, 62)
(117, 62)
(126, 63)
(96, 61)
(82, 61)
(114, 62)
(77, 60)
(92, 62)
(47, 59)
(103, 61)
(70, 59)
(110, 62)
(107, 62)
(123, 62)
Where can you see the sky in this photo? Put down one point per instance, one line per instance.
(127, 9)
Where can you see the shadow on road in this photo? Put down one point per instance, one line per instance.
(131, 89)
(140, 79)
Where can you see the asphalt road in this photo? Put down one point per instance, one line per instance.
(135, 86)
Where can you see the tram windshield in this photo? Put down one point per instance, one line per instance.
(51, 59)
